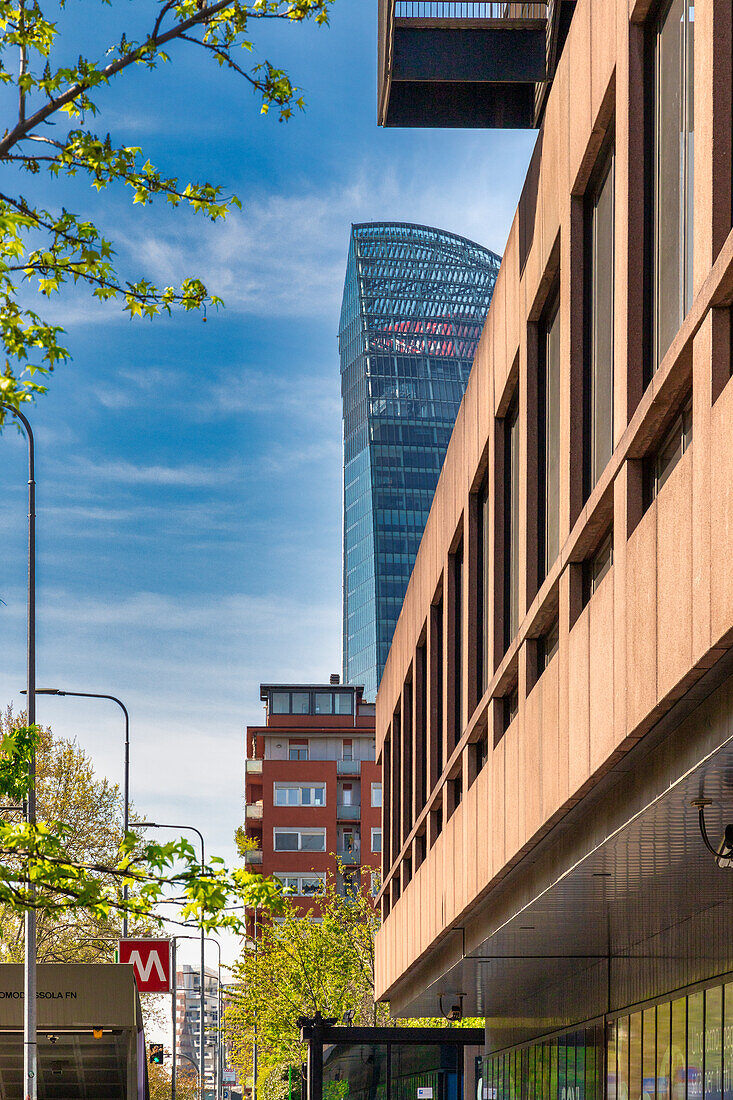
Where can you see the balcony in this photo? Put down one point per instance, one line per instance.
(463, 63)
(348, 767)
(253, 767)
(253, 856)
(253, 811)
(349, 857)
(348, 813)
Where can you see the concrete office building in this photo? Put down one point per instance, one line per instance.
(415, 300)
(555, 718)
(313, 789)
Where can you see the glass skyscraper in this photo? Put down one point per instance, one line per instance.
(415, 301)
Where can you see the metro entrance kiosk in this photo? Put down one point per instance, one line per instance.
(90, 1033)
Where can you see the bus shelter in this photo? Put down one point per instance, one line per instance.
(387, 1063)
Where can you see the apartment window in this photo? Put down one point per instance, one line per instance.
(596, 566)
(549, 437)
(376, 840)
(347, 795)
(323, 702)
(280, 702)
(376, 882)
(298, 749)
(598, 389)
(547, 646)
(347, 749)
(300, 840)
(376, 794)
(290, 702)
(295, 794)
(511, 523)
(659, 466)
(672, 171)
(303, 886)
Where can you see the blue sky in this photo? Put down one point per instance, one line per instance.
(189, 474)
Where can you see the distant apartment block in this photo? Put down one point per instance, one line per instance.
(415, 301)
(313, 790)
(188, 984)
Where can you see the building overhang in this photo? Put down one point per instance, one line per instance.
(620, 901)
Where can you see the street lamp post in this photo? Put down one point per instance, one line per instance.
(192, 829)
(30, 1020)
(126, 793)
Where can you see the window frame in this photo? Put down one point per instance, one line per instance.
(376, 786)
(376, 829)
(548, 386)
(300, 833)
(285, 785)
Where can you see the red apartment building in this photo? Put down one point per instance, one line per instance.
(313, 789)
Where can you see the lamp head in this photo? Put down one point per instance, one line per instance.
(147, 824)
(46, 691)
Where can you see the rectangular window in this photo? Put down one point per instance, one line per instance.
(280, 702)
(511, 523)
(292, 794)
(457, 634)
(303, 886)
(484, 584)
(323, 702)
(598, 389)
(549, 438)
(347, 749)
(596, 566)
(300, 702)
(509, 708)
(672, 171)
(297, 749)
(300, 840)
(659, 466)
(376, 794)
(547, 646)
(348, 794)
(342, 702)
(376, 840)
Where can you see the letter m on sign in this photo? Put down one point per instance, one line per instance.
(151, 962)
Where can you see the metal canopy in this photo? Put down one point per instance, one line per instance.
(623, 902)
(75, 1067)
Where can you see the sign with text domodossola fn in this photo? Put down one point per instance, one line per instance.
(151, 961)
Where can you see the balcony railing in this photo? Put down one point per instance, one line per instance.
(348, 813)
(253, 811)
(484, 11)
(253, 767)
(349, 857)
(461, 62)
(254, 855)
(348, 767)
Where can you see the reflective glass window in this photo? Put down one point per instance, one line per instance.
(622, 1058)
(648, 1053)
(713, 1086)
(342, 702)
(695, 1045)
(678, 1049)
(635, 1074)
(549, 456)
(600, 319)
(728, 1042)
(300, 702)
(280, 702)
(664, 1050)
(323, 701)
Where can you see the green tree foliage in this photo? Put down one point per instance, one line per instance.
(299, 966)
(49, 248)
(68, 790)
(159, 1079)
(46, 866)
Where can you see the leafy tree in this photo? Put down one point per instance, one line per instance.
(41, 866)
(159, 1079)
(50, 248)
(68, 790)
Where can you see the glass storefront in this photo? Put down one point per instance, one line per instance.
(680, 1049)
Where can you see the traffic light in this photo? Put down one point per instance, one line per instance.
(155, 1054)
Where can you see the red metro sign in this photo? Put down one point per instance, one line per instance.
(151, 961)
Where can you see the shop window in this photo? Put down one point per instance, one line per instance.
(659, 466)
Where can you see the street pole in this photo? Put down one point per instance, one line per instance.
(126, 791)
(202, 1055)
(30, 1049)
(254, 1028)
(219, 1064)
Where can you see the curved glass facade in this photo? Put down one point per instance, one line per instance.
(415, 301)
